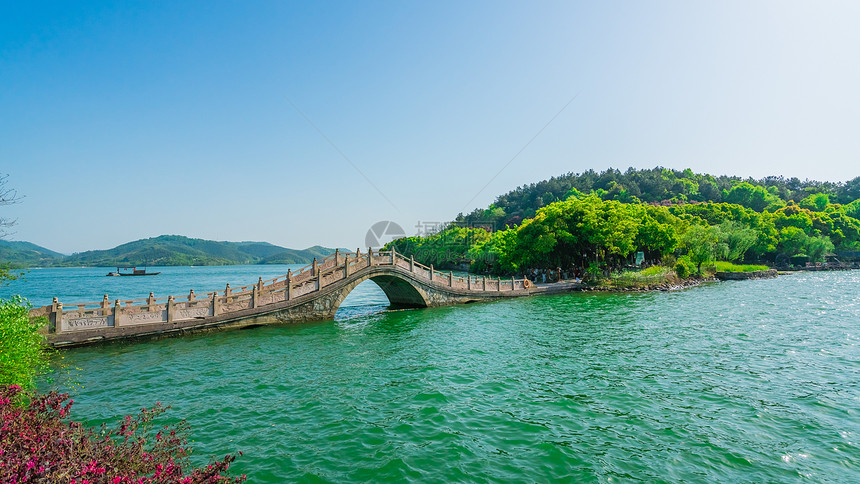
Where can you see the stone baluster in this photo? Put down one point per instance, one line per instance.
(150, 303)
(57, 316)
(216, 304)
(116, 313)
(171, 308)
(191, 295)
(227, 290)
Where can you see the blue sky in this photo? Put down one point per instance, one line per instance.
(128, 120)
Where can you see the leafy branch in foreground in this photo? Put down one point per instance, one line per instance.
(39, 444)
(23, 354)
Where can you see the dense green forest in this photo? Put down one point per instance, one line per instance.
(598, 221)
(165, 250)
(665, 186)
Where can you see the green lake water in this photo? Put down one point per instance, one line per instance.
(746, 381)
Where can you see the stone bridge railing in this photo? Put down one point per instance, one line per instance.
(65, 318)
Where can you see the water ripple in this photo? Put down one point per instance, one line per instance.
(748, 381)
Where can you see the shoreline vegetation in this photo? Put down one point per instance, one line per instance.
(594, 225)
(662, 278)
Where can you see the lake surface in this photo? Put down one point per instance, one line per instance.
(740, 381)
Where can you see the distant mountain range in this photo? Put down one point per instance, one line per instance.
(165, 250)
(25, 254)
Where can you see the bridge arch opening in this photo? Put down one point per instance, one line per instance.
(378, 293)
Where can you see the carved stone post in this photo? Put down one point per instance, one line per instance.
(314, 267)
(150, 302)
(171, 309)
(369, 257)
(289, 285)
(116, 311)
(337, 257)
(499, 282)
(450, 279)
(513, 286)
(346, 267)
(255, 296)
(411, 263)
(431, 272)
(216, 304)
(227, 290)
(469, 282)
(105, 302)
(319, 280)
(57, 316)
(393, 256)
(191, 295)
(484, 283)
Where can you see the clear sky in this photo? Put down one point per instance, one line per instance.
(303, 123)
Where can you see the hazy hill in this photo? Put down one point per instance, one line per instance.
(25, 254)
(165, 250)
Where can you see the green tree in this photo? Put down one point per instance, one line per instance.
(575, 232)
(818, 247)
(703, 245)
(853, 209)
(751, 196)
(816, 202)
(738, 238)
(792, 241)
(23, 354)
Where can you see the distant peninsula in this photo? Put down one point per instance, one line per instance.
(164, 250)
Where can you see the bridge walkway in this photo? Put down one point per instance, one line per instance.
(311, 293)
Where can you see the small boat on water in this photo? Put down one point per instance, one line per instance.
(131, 271)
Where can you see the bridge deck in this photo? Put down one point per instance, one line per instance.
(311, 293)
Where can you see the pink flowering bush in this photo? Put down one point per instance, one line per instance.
(38, 443)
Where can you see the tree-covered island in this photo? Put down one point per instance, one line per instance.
(594, 224)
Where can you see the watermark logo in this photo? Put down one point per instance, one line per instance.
(383, 232)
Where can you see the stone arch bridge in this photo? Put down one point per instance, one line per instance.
(312, 293)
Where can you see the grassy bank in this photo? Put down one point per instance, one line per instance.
(721, 266)
(656, 275)
(641, 278)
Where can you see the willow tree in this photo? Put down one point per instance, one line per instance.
(703, 245)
